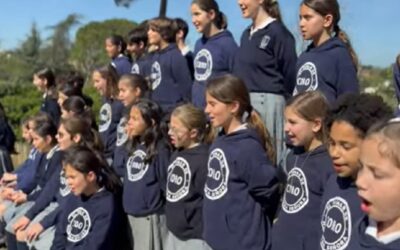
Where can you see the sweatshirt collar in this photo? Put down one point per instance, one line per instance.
(372, 230)
(263, 25)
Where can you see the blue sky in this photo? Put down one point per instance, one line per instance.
(371, 24)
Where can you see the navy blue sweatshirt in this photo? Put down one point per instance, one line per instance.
(362, 241)
(95, 222)
(396, 81)
(170, 78)
(240, 183)
(142, 66)
(51, 107)
(187, 174)
(340, 211)
(110, 115)
(48, 166)
(120, 151)
(144, 182)
(327, 68)
(213, 56)
(300, 215)
(122, 64)
(27, 170)
(266, 60)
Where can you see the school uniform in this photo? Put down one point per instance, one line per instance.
(122, 64)
(110, 115)
(364, 237)
(142, 66)
(120, 151)
(327, 68)
(143, 198)
(266, 62)
(213, 56)
(241, 182)
(51, 107)
(95, 222)
(396, 81)
(189, 57)
(27, 170)
(341, 209)
(187, 174)
(170, 78)
(7, 140)
(298, 223)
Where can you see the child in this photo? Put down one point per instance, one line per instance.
(349, 120)
(44, 81)
(181, 34)
(93, 217)
(131, 87)
(137, 45)
(214, 52)
(241, 181)
(308, 167)
(115, 48)
(105, 80)
(70, 84)
(145, 177)
(378, 183)
(75, 106)
(7, 141)
(266, 62)
(329, 64)
(170, 75)
(187, 174)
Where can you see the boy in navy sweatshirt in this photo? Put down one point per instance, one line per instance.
(137, 45)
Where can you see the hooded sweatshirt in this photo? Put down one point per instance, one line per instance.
(185, 184)
(213, 56)
(300, 215)
(327, 68)
(340, 211)
(240, 183)
(122, 64)
(360, 240)
(266, 60)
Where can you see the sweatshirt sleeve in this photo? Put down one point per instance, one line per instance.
(162, 163)
(181, 75)
(50, 219)
(346, 76)
(60, 238)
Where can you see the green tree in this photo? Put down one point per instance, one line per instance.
(88, 50)
(163, 5)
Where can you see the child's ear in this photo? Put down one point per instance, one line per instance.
(193, 133)
(328, 21)
(137, 92)
(317, 126)
(91, 176)
(234, 107)
(211, 14)
(48, 139)
(141, 45)
(77, 138)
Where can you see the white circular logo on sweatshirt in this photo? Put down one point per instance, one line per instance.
(78, 225)
(217, 176)
(105, 117)
(336, 225)
(307, 78)
(156, 75)
(178, 180)
(296, 194)
(122, 136)
(203, 64)
(64, 188)
(136, 168)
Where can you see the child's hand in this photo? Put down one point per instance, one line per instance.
(7, 193)
(19, 197)
(8, 177)
(34, 231)
(21, 224)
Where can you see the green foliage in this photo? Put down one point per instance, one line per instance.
(88, 50)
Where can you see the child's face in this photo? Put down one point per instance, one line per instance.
(299, 131)
(154, 38)
(42, 144)
(61, 98)
(111, 49)
(66, 114)
(39, 83)
(311, 23)
(179, 134)
(201, 19)
(135, 48)
(99, 83)
(77, 181)
(344, 148)
(126, 94)
(26, 134)
(136, 125)
(378, 182)
(220, 114)
(249, 8)
(64, 138)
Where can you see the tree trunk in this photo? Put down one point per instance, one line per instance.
(163, 8)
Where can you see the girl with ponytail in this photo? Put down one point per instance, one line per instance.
(241, 184)
(214, 52)
(329, 64)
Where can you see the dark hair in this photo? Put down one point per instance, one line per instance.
(137, 81)
(85, 160)
(272, 9)
(361, 111)
(398, 60)
(166, 27)
(77, 105)
(118, 41)
(48, 75)
(44, 126)
(183, 26)
(7, 138)
(220, 20)
(228, 89)
(331, 7)
(152, 115)
(73, 78)
(109, 73)
(310, 106)
(69, 89)
(138, 35)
